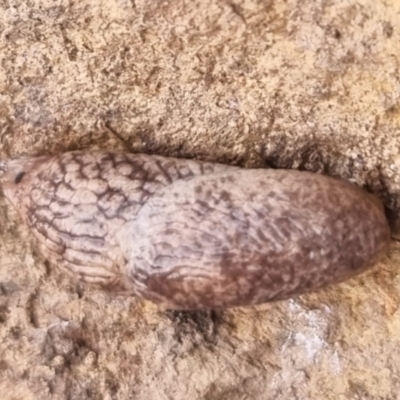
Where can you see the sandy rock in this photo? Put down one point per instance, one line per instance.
(299, 84)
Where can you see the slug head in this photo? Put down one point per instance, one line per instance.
(14, 176)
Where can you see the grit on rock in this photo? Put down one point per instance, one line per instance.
(311, 85)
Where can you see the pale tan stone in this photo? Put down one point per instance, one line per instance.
(297, 84)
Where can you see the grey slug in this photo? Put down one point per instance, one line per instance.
(195, 235)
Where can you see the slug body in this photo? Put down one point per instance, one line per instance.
(192, 235)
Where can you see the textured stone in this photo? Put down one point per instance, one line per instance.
(297, 84)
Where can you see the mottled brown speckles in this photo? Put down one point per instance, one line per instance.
(198, 189)
(196, 235)
(225, 196)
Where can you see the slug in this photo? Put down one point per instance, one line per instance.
(195, 235)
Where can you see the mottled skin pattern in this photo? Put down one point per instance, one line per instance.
(191, 235)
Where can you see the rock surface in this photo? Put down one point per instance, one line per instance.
(292, 84)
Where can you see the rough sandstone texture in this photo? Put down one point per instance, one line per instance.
(299, 84)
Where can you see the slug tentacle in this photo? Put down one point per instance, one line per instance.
(189, 234)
